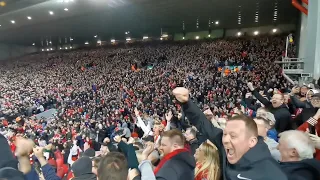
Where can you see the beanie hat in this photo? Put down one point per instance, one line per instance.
(82, 166)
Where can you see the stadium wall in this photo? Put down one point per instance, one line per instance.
(8, 51)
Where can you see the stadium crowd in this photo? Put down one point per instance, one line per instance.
(192, 110)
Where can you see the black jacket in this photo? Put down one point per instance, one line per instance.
(256, 164)
(281, 114)
(308, 169)
(194, 144)
(179, 167)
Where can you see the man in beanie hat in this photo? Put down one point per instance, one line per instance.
(82, 169)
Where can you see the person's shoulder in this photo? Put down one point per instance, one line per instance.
(270, 166)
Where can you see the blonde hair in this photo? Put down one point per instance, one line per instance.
(211, 164)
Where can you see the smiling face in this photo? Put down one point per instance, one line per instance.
(237, 140)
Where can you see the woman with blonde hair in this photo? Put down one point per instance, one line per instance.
(207, 158)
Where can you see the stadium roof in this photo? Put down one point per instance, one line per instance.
(29, 21)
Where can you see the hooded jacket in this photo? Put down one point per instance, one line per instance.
(308, 169)
(256, 164)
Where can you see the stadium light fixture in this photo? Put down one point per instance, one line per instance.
(86, 43)
(197, 37)
(29, 17)
(13, 22)
(209, 35)
(95, 36)
(66, 47)
(51, 49)
(66, 9)
(50, 42)
(70, 47)
(48, 49)
(113, 40)
(274, 30)
(217, 22)
(60, 48)
(164, 35)
(51, 12)
(239, 33)
(42, 49)
(99, 42)
(145, 37)
(182, 37)
(256, 33)
(161, 39)
(128, 39)
(33, 44)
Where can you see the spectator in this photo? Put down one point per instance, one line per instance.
(207, 158)
(237, 144)
(297, 161)
(113, 166)
(263, 127)
(277, 107)
(191, 137)
(176, 162)
(82, 169)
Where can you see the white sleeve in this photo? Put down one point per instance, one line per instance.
(145, 129)
(167, 128)
(70, 159)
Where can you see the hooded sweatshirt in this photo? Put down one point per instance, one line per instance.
(256, 164)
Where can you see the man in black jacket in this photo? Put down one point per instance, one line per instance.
(191, 137)
(277, 107)
(243, 154)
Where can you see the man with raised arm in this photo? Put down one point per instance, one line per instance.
(243, 154)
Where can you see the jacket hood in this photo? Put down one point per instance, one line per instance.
(256, 154)
(187, 158)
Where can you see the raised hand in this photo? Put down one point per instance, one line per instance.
(181, 94)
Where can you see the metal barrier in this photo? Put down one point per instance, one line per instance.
(292, 65)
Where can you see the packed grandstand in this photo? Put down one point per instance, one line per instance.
(123, 107)
(215, 107)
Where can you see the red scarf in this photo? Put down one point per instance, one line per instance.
(168, 157)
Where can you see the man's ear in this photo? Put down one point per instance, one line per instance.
(253, 141)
